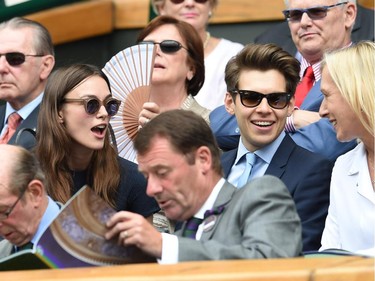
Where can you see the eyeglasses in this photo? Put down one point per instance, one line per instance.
(6, 214)
(196, 1)
(314, 13)
(93, 104)
(167, 46)
(253, 99)
(16, 58)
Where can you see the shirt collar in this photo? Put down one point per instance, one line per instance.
(209, 204)
(25, 111)
(266, 153)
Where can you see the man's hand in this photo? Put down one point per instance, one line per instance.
(134, 229)
(302, 118)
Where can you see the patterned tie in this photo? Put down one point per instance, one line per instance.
(304, 86)
(13, 121)
(250, 161)
(191, 227)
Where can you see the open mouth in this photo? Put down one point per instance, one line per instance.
(262, 123)
(100, 129)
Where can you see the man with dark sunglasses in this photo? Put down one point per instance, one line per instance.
(25, 209)
(26, 60)
(316, 26)
(261, 81)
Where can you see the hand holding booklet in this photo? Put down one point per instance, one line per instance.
(76, 239)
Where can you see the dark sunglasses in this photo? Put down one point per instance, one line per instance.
(166, 46)
(253, 99)
(314, 13)
(196, 1)
(93, 104)
(16, 58)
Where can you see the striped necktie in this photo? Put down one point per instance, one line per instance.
(191, 227)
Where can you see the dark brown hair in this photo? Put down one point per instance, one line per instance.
(193, 43)
(263, 57)
(54, 142)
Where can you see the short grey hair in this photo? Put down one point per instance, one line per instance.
(42, 41)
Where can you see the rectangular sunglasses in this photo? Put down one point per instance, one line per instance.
(196, 1)
(253, 99)
(167, 46)
(314, 13)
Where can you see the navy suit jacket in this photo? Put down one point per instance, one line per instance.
(25, 139)
(307, 176)
(363, 29)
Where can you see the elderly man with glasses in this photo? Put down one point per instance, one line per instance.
(316, 26)
(25, 209)
(26, 60)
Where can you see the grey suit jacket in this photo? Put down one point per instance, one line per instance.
(5, 248)
(26, 139)
(259, 221)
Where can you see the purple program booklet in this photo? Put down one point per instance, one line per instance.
(76, 239)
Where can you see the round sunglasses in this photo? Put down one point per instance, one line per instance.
(196, 1)
(253, 99)
(17, 58)
(167, 46)
(93, 104)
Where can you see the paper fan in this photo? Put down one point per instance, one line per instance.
(129, 73)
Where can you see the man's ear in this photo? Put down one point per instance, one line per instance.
(36, 191)
(47, 65)
(350, 15)
(229, 103)
(204, 158)
(291, 106)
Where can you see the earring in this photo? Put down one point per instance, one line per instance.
(209, 14)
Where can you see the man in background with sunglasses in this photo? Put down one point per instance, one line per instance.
(26, 60)
(25, 209)
(261, 81)
(316, 26)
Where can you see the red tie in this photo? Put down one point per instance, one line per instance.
(304, 86)
(13, 121)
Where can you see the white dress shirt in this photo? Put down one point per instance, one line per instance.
(350, 224)
(169, 253)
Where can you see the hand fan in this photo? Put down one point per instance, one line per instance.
(129, 73)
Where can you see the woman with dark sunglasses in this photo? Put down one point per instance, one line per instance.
(217, 51)
(178, 72)
(74, 146)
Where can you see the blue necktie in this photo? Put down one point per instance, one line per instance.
(250, 161)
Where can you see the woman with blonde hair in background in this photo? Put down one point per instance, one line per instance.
(348, 86)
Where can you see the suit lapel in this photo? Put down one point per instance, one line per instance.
(29, 122)
(313, 99)
(225, 195)
(2, 116)
(281, 157)
(227, 160)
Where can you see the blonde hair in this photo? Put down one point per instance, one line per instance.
(352, 70)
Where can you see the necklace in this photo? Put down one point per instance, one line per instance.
(208, 36)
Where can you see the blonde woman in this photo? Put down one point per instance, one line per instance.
(348, 83)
